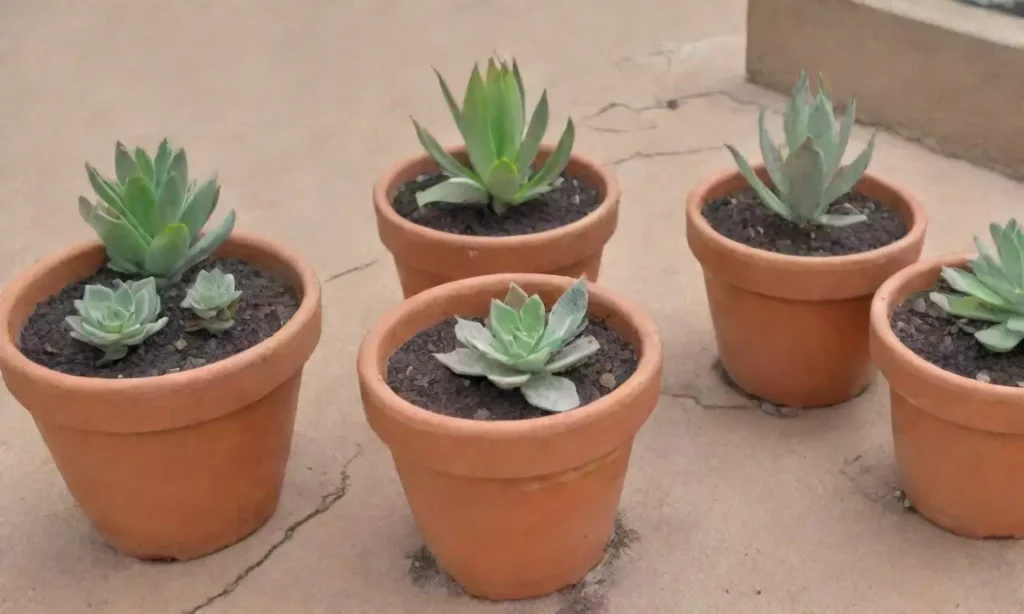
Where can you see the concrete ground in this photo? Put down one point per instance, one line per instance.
(299, 105)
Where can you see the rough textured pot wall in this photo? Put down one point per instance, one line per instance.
(934, 71)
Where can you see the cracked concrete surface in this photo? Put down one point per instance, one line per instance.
(298, 107)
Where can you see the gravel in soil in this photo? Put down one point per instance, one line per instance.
(416, 376)
(743, 217)
(266, 305)
(948, 342)
(568, 201)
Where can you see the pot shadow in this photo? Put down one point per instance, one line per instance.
(588, 596)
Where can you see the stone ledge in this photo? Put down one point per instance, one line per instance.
(935, 71)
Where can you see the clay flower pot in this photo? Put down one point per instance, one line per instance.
(179, 465)
(790, 329)
(426, 257)
(511, 509)
(959, 443)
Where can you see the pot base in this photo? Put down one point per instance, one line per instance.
(802, 354)
(963, 480)
(183, 493)
(517, 538)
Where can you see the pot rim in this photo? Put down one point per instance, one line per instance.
(414, 417)
(609, 204)
(882, 306)
(695, 202)
(93, 395)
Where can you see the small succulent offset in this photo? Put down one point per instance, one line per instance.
(501, 157)
(808, 178)
(214, 301)
(517, 349)
(114, 320)
(150, 217)
(993, 291)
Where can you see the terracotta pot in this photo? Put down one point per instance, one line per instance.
(511, 509)
(179, 465)
(959, 442)
(425, 257)
(790, 329)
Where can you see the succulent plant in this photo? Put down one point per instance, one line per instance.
(501, 157)
(993, 291)
(517, 349)
(150, 217)
(114, 320)
(808, 178)
(214, 301)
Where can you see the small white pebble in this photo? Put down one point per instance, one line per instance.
(983, 376)
(481, 414)
(607, 380)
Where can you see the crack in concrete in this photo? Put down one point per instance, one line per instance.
(327, 501)
(643, 155)
(696, 400)
(358, 267)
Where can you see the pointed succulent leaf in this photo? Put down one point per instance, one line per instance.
(1015, 323)
(475, 336)
(1009, 253)
(795, 118)
(572, 354)
(168, 251)
(209, 242)
(847, 177)
(999, 338)
(447, 162)
(772, 156)
(178, 167)
(196, 210)
(845, 128)
(454, 190)
(551, 393)
(553, 166)
(821, 126)
(124, 163)
(516, 297)
(970, 284)
(969, 307)
(568, 311)
(768, 197)
(168, 204)
(502, 180)
(453, 107)
(160, 164)
(832, 219)
(534, 134)
(145, 164)
(122, 242)
(502, 318)
(531, 317)
(479, 142)
(140, 202)
(506, 378)
(805, 171)
(465, 361)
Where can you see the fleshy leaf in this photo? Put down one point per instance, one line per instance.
(768, 197)
(124, 163)
(168, 250)
(516, 297)
(531, 317)
(969, 307)
(551, 393)
(805, 171)
(464, 361)
(534, 134)
(568, 311)
(847, 177)
(999, 338)
(503, 180)
(553, 166)
(572, 354)
(454, 190)
(832, 219)
(969, 284)
(772, 156)
(447, 163)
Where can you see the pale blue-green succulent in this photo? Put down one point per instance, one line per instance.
(214, 301)
(115, 319)
(492, 121)
(993, 290)
(149, 218)
(518, 349)
(808, 177)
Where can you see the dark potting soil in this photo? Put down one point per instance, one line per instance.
(266, 305)
(416, 376)
(743, 217)
(564, 204)
(948, 342)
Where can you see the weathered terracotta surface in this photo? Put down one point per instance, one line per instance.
(425, 257)
(511, 509)
(180, 465)
(959, 442)
(790, 329)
